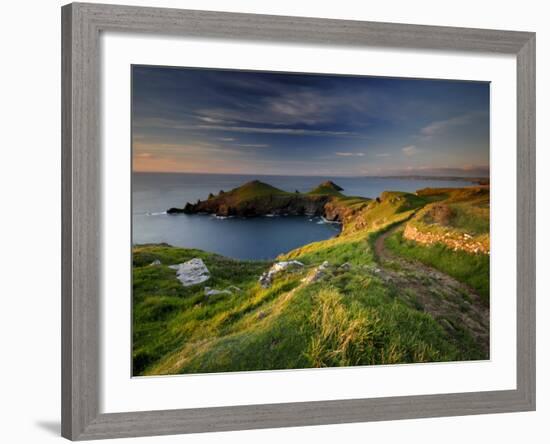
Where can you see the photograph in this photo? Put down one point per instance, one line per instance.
(287, 220)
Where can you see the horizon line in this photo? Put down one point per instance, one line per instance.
(442, 176)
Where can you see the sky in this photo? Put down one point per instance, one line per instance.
(253, 122)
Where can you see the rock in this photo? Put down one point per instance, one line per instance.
(262, 314)
(234, 288)
(319, 273)
(213, 292)
(155, 262)
(345, 266)
(267, 278)
(191, 272)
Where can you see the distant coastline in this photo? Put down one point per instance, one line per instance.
(480, 180)
(476, 180)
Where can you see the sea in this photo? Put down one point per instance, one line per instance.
(259, 238)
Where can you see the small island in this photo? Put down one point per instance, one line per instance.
(256, 198)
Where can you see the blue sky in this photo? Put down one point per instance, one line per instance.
(251, 122)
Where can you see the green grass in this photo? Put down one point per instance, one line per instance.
(471, 269)
(352, 317)
(327, 187)
(165, 313)
(253, 190)
(471, 219)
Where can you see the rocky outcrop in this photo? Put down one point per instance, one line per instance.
(453, 240)
(266, 279)
(276, 204)
(336, 211)
(256, 198)
(191, 272)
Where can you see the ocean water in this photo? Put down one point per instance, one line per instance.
(253, 238)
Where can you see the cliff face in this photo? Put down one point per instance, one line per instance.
(259, 199)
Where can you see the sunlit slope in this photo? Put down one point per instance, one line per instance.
(349, 311)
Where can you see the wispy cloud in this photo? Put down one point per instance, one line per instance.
(441, 126)
(349, 154)
(410, 150)
(171, 124)
(211, 119)
(382, 154)
(253, 145)
(290, 131)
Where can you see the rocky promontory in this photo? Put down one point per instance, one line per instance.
(257, 198)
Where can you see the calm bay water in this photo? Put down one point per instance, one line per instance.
(253, 238)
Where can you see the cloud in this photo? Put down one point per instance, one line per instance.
(441, 126)
(382, 154)
(290, 131)
(348, 154)
(174, 124)
(253, 145)
(211, 119)
(410, 150)
(144, 155)
(226, 139)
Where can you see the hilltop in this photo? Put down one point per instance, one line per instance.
(328, 187)
(401, 283)
(256, 198)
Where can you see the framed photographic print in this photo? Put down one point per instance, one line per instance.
(278, 221)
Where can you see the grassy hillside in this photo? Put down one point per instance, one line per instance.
(367, 305)
(327, 187)
(457, 215)
(252, 190)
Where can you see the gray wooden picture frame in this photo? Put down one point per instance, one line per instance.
(81, 172)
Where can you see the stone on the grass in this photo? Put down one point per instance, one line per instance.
(234, 288)
(319, 273)
(191, 272)
(213, 292)
(266, 279)
(345, 266)
(155, 262)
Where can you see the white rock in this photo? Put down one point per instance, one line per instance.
(267, 278)
(212, 292)
(345, 266)
(191, 272)
(155, 262)
(318, 274)
(234, 288)
(281, 266)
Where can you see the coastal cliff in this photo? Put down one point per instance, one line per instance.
(257, 198)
